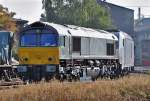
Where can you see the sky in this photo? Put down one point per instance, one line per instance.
(32, 9)
(24, 9)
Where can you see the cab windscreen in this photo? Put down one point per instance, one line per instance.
(39, 40)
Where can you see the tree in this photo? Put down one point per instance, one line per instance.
(87, 13)
(6, 20)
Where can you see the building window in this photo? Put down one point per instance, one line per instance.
(76, 44)
(110, 49)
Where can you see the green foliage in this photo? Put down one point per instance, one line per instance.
(87, 13)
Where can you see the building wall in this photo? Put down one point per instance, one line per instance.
(122, 18)
(142, 47)
(145, 52)
(142, 42)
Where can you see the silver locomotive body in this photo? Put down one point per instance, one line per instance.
(87, 52)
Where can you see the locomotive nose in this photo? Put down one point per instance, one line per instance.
(39, 56)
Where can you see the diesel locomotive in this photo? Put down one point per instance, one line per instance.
(48, 50)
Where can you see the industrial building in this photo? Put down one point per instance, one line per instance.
(142, 42)
(122, 18)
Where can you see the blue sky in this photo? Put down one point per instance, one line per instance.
(32, 9)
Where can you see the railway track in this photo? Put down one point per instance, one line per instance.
(15, 81)
(142, 70)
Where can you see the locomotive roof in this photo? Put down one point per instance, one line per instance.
(77, 31)
(88, 32)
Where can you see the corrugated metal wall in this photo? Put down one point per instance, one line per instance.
(145, 52)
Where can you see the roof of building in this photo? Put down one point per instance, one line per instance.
(143, 20)
(110, 4)
(142, 25)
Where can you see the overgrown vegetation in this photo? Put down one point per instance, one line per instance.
(87, 13)
(7, 23)
(6, 20)
(129, 88)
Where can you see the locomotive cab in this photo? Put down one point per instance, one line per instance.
(38, 52)
(125, 48)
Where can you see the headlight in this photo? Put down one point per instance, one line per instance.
(21, 68)
(50, 68)
(25, 59)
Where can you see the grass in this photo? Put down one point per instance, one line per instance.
(129, 88)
